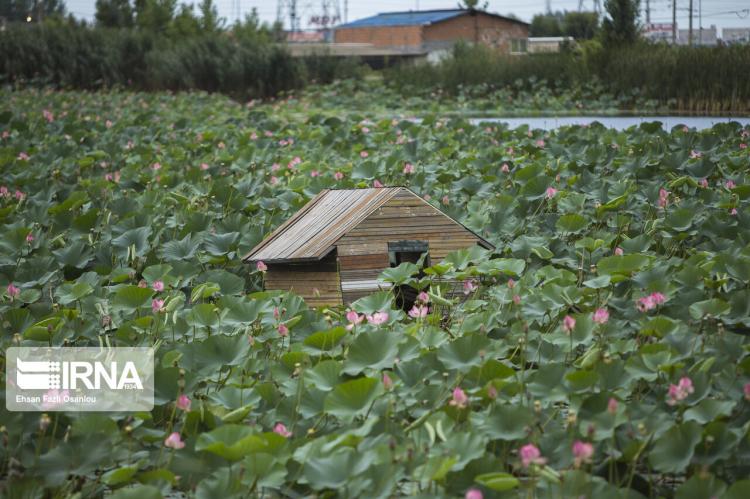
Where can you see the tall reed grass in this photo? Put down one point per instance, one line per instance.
(689, 79)
(71, 56)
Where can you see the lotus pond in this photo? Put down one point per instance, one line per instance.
(601, 351)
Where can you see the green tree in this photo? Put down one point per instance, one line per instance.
(154, 15)
(210, 20)
(620, 27)
(581, 25)
(36, 10)
(185, 24)
(114, 13)
(546, 24)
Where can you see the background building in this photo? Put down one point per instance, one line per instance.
(425, 32)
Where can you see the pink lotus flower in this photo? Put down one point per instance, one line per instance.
(173, 441)
(540, 143)
(108, 177)
(695, 154)
(274, 180)
(4, 192)
(260, 266)
(338, 176)
(276, 313)
(663, 197)
(473, 494)
(530, 455)
(550, 192)
(158, 286)
(13, 291)
(650, 302)
(601, 316)
(354, 319)
(29, 238)
(183, 403)
(743, 146)
(423, 297)
(142, 283)
(459, 398)
(505, 168)
(445, 200)
(363, 154)
(612, 405)
(511, 283)
(280, 429)
(48, 116)
(510, 151)
(204, 166)
(19, 195)
(680, 391)
(387, 381)
(730, 184)
(23, 156)
(408, 168)
(156, 166)
(157, 305)
(377, 318)
(275, 167)
(365, 129)
(253, 136)
(376, 183)
(746, 391)
(582, 452)
(733, 211)
(108, 124)
(516, 299)
(619, 251)
(283, 330)
(703, 183)
(315, 173)
(470, 285)
(268, 133)
(568, 324)
(418, 312)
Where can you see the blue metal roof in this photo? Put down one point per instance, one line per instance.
(410, 18)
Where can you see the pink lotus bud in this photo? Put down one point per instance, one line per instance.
(173, 441)
(183, 403)
(280, 429)
(568, 324)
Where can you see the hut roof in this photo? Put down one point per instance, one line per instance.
(312, 232)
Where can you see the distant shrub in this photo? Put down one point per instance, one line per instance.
(239, 64)
(697, 79)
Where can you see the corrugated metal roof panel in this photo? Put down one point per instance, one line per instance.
(311, 232)
(410, 18)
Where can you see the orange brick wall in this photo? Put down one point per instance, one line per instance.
(390, 36)
(488, 30)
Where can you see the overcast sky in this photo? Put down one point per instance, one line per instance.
(722, 13)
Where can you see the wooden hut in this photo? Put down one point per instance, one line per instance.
(332, 250)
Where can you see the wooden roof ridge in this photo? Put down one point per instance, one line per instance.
(336, 213)
(485, 243)
(281, 228)
(318, 244)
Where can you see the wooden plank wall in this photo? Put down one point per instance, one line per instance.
(317, 282)
(363, 251)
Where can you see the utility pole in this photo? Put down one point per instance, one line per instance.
(648, 13)
(674, 22)
(690, 25)
(700, 22)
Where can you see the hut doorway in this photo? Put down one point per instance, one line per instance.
(412, 251)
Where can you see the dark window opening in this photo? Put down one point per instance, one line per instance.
(416, 252)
